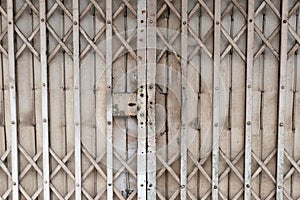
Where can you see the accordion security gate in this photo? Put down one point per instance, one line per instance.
(136, 99)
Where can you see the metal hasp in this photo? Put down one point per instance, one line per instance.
(124, 104)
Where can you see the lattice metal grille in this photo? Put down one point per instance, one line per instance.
(136, 99)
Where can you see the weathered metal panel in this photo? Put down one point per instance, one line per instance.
(136, 99)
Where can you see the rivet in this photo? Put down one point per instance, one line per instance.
(77, 185)
(279, 187)
(77, 123)
(184, 22)
(44, 84)
(14, 183)
(151, 86)
(109, 184)
(46, 182)
(42, 20)
(248, 123)
(13, 122)
(247, 186)
(250, 20)
(142, 114)
(9, 22)
(281, 124)
(217, 22)
(249, 86)
(151, 21)
(108, 86)
(12, 87)
(75, 23)
(142, 185)
(217, 88)
(284, 21)
(108, 21)
(182, 186)
(216, 124)
(215, 187)
(282, 87)
(109, 122)
(76, 87)
(44, 120)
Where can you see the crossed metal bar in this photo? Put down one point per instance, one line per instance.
(232, 44)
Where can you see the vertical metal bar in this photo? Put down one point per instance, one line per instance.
(249, 99)
(282, 99)
(12, 100)
(44, 86)
(216, 100)
(184, 57)
(151, 74)
(109, 126)
(141, 99)
(76, 76)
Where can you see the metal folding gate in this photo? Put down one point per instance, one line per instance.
(149, 99)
